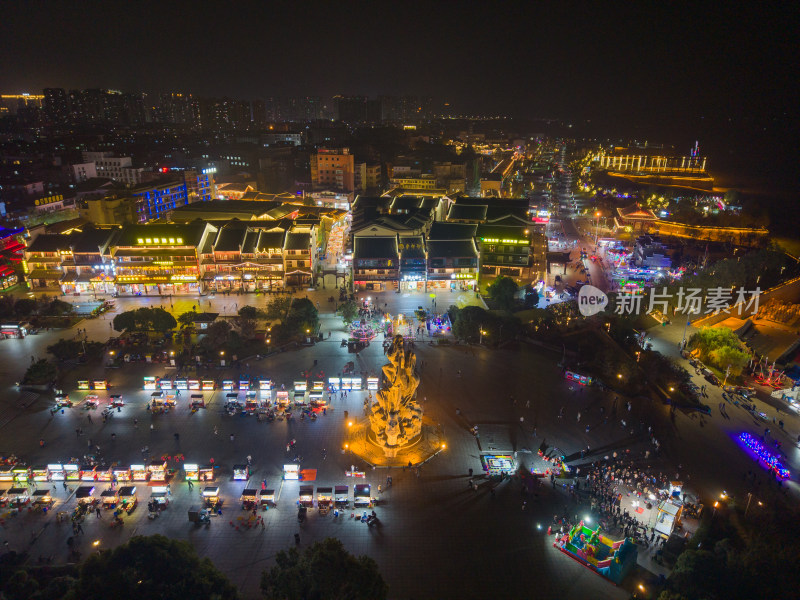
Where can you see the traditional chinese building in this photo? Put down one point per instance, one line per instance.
(634, 218)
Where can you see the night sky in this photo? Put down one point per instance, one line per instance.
(683, 70)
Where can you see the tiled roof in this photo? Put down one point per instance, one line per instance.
(441, 230)
(452, 249)
(465, 212)
(51, 242)
(297, 241)
(375, 247)
(412, 246)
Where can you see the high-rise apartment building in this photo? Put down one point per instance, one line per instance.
(56, 106)
(333, 169)
(118, 168)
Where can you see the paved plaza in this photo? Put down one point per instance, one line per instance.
(437, 538)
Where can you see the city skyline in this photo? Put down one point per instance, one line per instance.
(526, 61)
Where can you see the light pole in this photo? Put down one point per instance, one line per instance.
(596, 227)
(749, 498)
(683, 341)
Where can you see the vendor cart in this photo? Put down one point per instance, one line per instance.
(362, 495)
(85, 495)
(249, 499)
(104, 474)
(324, 499)
(109, 498)
(21, 475)
(157, 401)
(267, 498)
(194, 384)
(211, 496)
(39, 473)
(72, 472)
(159, 498)
(92, 401)
(282, 398)
(199, 515)
(121, 474)
(127, 498)
(341, 496)
(55, 472)
(191, 472)
(116, 401)
(139, 473)
(88, 472)
(241, 472)
(306, 497)
(18, 496)
(6, 476)
(42, 498)
(250, 402)
(157, 470)
(63, 402)
(206, 473)
(198, 401)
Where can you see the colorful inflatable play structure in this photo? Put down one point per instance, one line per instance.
(612, 560)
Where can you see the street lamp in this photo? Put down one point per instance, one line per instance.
(749, 498)
(596, 227)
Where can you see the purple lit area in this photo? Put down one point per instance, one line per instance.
(764, 455)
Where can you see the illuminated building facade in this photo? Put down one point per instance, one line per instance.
(162, 259)
(156, 200)
(505, 249)
(333, 169)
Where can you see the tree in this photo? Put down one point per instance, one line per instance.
(161, 320)
(41, 371)
(248, 316)
(186, 320)
(216, 334)
(324, 571)
(348, 311)
(125, 321)
(468, 321)
(531, 297)
(302, 317)
(720, 347)
(24, 307)
(278, 309)
(66, 349)
(150, 567)
(145, 319)
(503, 291)
(57, 308)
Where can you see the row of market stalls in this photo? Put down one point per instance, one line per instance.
(262, 386)
(324, 498)
(154, 471)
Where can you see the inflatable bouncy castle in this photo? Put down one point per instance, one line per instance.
(612, 560)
